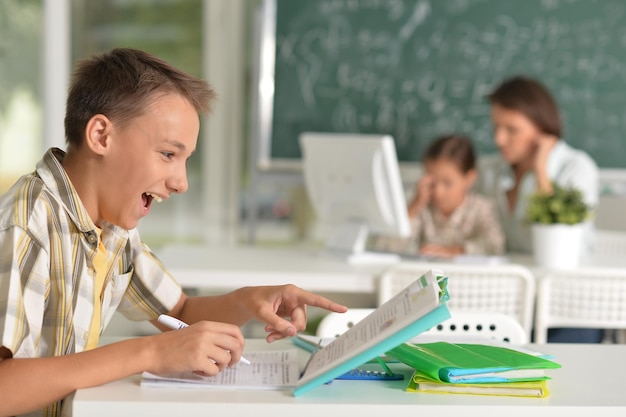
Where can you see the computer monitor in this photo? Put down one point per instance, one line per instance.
(354, 184)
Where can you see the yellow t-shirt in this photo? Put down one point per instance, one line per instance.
(101, 267)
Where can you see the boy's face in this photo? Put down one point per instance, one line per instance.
(147, 160)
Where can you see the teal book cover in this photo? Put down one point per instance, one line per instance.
(416, 309)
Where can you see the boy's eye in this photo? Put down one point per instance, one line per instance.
(168, 155)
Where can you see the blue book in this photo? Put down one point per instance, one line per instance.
(417, 308)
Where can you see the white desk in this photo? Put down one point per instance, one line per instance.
(226, 269)
(589, 383)
(598, 261)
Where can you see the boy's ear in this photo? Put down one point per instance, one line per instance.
(97, 134)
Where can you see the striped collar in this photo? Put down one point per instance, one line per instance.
(52, 173)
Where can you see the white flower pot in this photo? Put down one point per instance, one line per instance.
(557, 246)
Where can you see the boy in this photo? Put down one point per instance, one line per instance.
(70, 254)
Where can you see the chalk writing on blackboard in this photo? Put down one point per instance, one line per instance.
(416, 69)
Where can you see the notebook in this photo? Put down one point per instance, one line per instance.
(272, 369)
(534, 389)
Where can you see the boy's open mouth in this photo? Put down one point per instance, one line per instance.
(147, 198)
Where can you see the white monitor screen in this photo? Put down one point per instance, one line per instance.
(353, 182)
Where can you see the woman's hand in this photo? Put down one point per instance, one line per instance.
(545, 144)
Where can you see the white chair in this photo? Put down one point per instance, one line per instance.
(609, 243)
(506, 289)
(461, 324)
(335, 324)
(490, 325)
(583, 298)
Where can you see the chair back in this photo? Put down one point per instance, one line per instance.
(609, 243)
(335, 324)
(489, 325)
(505, 289)
(461, 324)
(583, 298)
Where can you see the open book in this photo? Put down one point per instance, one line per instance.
(415, 309)
(272, 369)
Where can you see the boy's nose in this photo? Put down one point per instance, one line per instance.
(178, 182)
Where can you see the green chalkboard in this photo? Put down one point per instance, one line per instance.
(416, 69)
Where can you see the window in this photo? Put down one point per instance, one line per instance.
(172, 30)
(20, 90)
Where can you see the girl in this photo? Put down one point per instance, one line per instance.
(446, 218)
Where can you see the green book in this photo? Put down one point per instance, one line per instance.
(472, 363)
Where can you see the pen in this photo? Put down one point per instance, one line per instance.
(174, 323)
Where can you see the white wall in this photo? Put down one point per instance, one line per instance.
(611, 211)
(225, 37)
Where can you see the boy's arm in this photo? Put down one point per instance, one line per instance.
(282, 308)
(28, 384)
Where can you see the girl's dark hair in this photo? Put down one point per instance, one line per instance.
(532, 99)
(454, 148)
(121, 83)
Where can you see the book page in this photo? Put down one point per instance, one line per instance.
(275, 369)
(415, 301)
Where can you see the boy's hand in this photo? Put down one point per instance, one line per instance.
(283, 308)
(205, 347)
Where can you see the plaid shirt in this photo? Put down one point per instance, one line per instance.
(47, 247)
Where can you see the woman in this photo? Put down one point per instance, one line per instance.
(527, 132)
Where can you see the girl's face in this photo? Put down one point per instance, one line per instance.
(515, 135)
(449, 184)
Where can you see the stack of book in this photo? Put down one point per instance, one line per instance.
(481, 369)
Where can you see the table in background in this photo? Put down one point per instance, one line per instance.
(227, 269)
(589, 383)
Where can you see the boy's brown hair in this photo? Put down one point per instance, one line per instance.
(532, 99)
(455, 148)
(120, 84)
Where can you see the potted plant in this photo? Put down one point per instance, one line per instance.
(558, 223)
